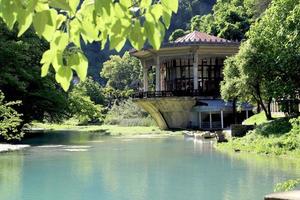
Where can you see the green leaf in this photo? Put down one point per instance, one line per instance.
(24, 21)
(88, 31)
(73, 4)
(75, 32)
(157, 11)
(57, 61)
(41, 6)
(8, 10)
(137, 37)
(47, 57)
(61, 4)
(32, 5)
(145, 3)
(167, 15)
(59, 20)
(170, 4)
(60, 41)
(79, 63)
(119, 12)
(64, 76)
(44, 23)
(116, 42)
(102, 6)
(154, 33)
(45, 69)
(126, 3)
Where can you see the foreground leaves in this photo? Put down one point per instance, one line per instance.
(67, 23)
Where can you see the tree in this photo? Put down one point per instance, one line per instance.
(186, 10)
(20, 77)
(269, 60)
(176, 34)
(10, 120)
(127, 113)
(65, 23)
(196, 23)
(83, 108)
(256, 7)
(123, 74)
(93, 90)
(230, 20)
(231, 88)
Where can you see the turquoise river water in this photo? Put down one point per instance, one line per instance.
(73, 166)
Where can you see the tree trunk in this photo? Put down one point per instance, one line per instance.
(258, 109)
(269, 116)
(261, 102)
(234, 110)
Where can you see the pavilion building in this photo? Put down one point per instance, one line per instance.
(181, 83)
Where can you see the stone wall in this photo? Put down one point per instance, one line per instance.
(240, 130)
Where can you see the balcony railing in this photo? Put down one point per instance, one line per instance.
(175, 93)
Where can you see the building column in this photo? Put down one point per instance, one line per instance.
(157, 74)
(210, 120)
(247, 114)
(195, 70)
(222, 119)
(200, 120)
(145, 77)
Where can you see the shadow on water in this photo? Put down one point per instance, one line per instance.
(11, 166)
(62, 137)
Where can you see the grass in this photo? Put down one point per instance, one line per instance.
(260, 118)
(278, 137)
(113, 130)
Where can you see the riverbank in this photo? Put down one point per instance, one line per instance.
(276, 138)
(280, 137)
(12, 147)
(110, 130)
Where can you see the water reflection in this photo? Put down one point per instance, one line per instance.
(11, 175)
(111, 169)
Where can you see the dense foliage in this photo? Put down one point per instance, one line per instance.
(63, 23)
(127, 113)
(229, 19)
(10, 120)
(82, 107)
(20, 77)
(177, 34)
(188, 9)
(268, 62)
(278, 137)
(122, 75)
(42, 98)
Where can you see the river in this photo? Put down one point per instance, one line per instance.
(85, 166)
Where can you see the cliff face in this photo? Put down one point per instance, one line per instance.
(187, 9)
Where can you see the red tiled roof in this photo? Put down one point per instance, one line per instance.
(196, 36)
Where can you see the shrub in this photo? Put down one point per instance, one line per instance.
(128, 113)
(277, 137)
(83, 108)
(276, 127)
(10, 120)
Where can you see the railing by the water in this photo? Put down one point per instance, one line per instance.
(174, 93)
